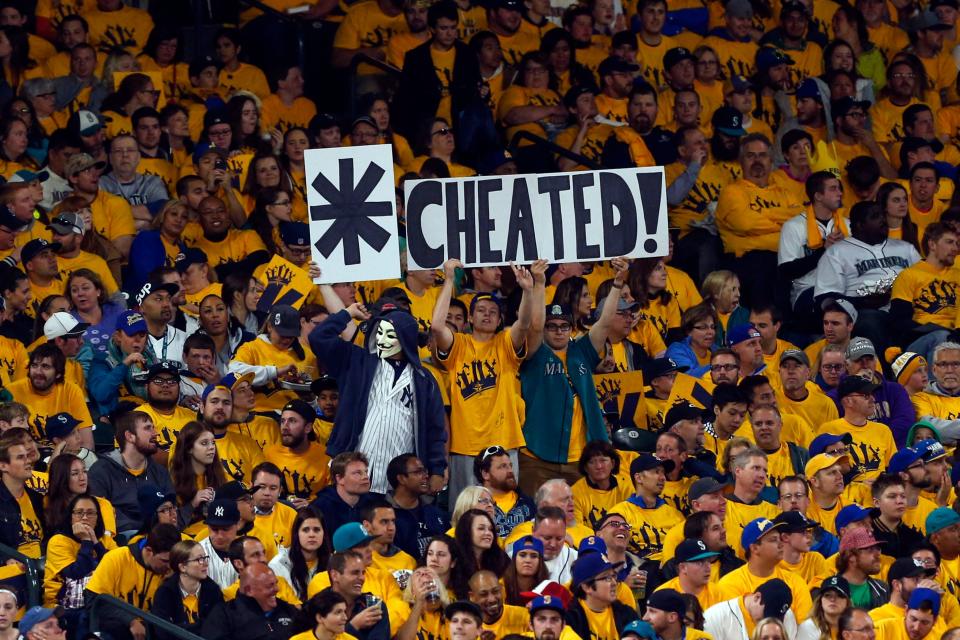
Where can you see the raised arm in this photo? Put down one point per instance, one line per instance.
(438, 323)
(520, 328)
(601, 328)
(535, 335)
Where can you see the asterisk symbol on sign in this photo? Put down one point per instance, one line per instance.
(350, 212)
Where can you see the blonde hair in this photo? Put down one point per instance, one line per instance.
(714, 282)
(467, 500)
(735, 442)
(171, 205)
(757, 630)
(410, 598)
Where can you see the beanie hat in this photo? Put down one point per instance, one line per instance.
(904, 364)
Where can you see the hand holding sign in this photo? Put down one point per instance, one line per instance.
(620, 268)
(450, 269)
(539, 271)
(523, 276)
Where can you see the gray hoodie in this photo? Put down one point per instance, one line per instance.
(110, 479)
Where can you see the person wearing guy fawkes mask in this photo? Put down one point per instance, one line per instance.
(386, 390)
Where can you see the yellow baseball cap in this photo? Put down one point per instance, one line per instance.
(823, 461)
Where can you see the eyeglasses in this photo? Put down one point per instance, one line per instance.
(153, 92)
(442, 132)
(484, 501)
(832, 367)
(169, 509)
(616, 524)
(723, 367)
(792, 496)
(903, 76)
(200, 559)
(611, 579)
(561, 328)
(80, 513)
(164, 382)
(495, 450)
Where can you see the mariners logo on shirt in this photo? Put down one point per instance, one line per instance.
(476, 377)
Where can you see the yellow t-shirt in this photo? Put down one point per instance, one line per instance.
(887, 119)
(710, 595)
(237, 245)
(736, 58)
(247, 77)
(61, 397)
(649, 526)
(303, 474)
(935, 405)
(486, 406)
(749, 217)
(737, 516)
(932, 293)
(87, 260)
(399, 566)
(812, 566)
(168, 425)
(112, 216)
(514, 46)
(650, 58)
(61, 553)
(740, 582)
(872, 445)
(614, 109)
(120, 575)
(260, 352)
(13, 361)
(590, 505)
(262, 428)
(603, 625)
(276, 526)
(30, 527)
(517, 96)
(126, 28)
(274, 114)
(817, 408)
(675, 493)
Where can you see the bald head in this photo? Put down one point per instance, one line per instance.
(259, 582)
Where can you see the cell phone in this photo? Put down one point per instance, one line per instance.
(220, 164)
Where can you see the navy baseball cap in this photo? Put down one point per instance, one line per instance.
(824, 440)
(295, 234)
(189, 256)
(741, 333)
(647, 461)
(902, 459)
(756, 529)
(60, 425)
(691, 550)
(131, 323)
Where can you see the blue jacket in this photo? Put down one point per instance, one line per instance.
(336, 512)
(354, 368)
(682, 353)
(894, 408)
(146, 254)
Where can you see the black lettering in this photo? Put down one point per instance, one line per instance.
(651, 187)
(457, 225)
(421, 196)
(521, 223)
(581, 218)
(486, 226)
(553, 185)
(619, 238)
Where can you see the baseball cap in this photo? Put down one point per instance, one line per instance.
(301, 408)
(349, 536)
(641, 628)
(844, 306)
(480, 297)
(736, 84)
(365, 120)
(926, 19)
(546, 602)
(704, 486)
(324, 383)
(155, 286)
(234, 490)
(214, 117)
(67, 223)
(558, 312)
(574, 92)
(647, 461)
(549, 588)
(675, 56)
(941, 518)
(660, 367)
(912, 144)
(924, 597)
(809, 89)
(756, 529)
(296, 234)
(35, 247)
(776, 598)
(197, 65)
(81, 162)
(822, 461)
(231, 380)
(836, 583)
(741, 333)
(592, 544)
(61, 324)
(622, 305)
(792, 6)
(168, 367)
(902, 459)
(37, 615)
(908, 568)
(189, 256)
(10, 221)
(729, 121)
(739, 9)
(943, 3)
(462, 606)
(527, 543)
(855, 384)
(59, 425)
(210, 388)
(843, 106)
(667, 600)
(616, 64)
(323, 121)
(824, 440)
(794, 354)
(769, 57)
(589, 566)
(223, 513)
(858, 538)
(25, 175)
(691, 550)
(795, 522)
(286, 320)
(149, 499)
(682, 411)
(131, 323)
(859, 347)
(84, 123)
(850, 514)
(203, 148)
(930, 450)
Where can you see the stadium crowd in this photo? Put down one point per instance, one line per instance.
(751, 438)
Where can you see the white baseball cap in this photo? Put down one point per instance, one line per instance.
(62, 324)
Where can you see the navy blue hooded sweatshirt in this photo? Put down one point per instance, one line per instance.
(354, 368)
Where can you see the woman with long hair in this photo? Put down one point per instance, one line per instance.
(721, 290)
(196, 472)
(118, 61)
(136, 90)
(73, 553)
(442, 555)
(574, 295)
(15, 57)
(427, 597)
(273, 357)
(88, 298)
(243, 114)
(377, 107)
(436, 140)
(13, 147)
(48, 306)
(476, 535)
(838, 56)
(67, 479)
(893, 198)
(307, 554)
(296, 141)
(770, 629)
(162, 52)
(824, 621)
(473, 497)
(241, 292)
(159, 245)
(273, 207)
(527, 569)
(227, 334)
(324, 617)
(700, 326)
(648, 286)
(265, 172)
(850, 26)
(175, 141)
(23, 109)
(561, 54)
(708, 82)
(190, 579)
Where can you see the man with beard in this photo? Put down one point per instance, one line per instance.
(546, 617)
(493, 469)
(927, 39)
(273, 521)
(616, 82)
(862, 270)
(39, 262)
(694, 183)
(415, 14)
(666, 612)
(852, 138)
(750, 213)
(303, 462)
(117, 475)
(649, 516)
(162, 405)
(907, 463)
(504, 19)
(238, 453)
(904, 577)
(225, 245)
(641, 143)
(486, 592)
(154, 301)
(45, 392)
(857, 560)
(800, 396)
(887, 114)
(417, 520)
(66, 230)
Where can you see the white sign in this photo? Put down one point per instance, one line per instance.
(351, 206)
(561, 217)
